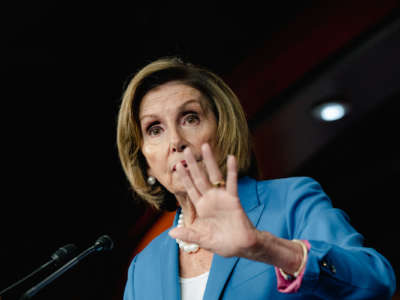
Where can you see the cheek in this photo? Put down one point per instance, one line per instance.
(212, 141)
(208, 133)
(154, 158)
(211, 138)
(150, 153)
(146, 149)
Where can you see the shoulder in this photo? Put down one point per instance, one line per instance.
(300, 203)
(280, 195)
(144, 271)
(155, 246)
(249, 185)
(288, 188)
(151, 251)
(289, 182)
(293, 195)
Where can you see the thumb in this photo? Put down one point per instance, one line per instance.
(184, 234)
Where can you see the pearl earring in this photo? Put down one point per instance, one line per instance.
(151, 180)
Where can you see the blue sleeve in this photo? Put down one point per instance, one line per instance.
(129, 286)
(338, 265)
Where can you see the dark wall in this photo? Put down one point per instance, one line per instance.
(64, 70)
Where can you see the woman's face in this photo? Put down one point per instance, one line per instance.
(174, 116)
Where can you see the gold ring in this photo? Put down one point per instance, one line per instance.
(218, 184)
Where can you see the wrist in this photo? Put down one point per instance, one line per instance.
(299, 266)
(259, 247)
(287, 255)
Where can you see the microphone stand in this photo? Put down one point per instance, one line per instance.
(34, 290)
(103, 243)
(57, 258)
(25, 278)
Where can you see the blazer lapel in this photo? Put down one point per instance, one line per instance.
(221, 267)
(169, 264)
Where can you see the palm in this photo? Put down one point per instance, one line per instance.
(220, 225)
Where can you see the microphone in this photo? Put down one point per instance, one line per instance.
(103, 243)
(57, 258)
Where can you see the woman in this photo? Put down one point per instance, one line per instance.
(183, 141)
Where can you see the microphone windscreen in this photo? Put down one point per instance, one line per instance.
(63, 254)
(104, 243)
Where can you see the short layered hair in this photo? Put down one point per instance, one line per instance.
(232, 134)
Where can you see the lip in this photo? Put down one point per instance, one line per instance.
(184, 163)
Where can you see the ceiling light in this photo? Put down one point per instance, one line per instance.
(330, 111)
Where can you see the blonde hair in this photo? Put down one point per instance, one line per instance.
(232, 130)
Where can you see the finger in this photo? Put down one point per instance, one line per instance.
(198, 175)
(193, 194)
(185, 234)
(231, 181)
(214, 173)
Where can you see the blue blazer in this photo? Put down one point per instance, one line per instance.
(338, 266)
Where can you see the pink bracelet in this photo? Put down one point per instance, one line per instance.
(291, 284)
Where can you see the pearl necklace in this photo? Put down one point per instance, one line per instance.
(187, 247)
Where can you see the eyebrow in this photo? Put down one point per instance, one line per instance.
(182, 106)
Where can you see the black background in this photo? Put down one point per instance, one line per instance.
(64, 72)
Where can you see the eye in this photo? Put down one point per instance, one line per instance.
(192, 119)
(154, 129)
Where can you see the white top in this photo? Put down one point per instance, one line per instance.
(193, 288)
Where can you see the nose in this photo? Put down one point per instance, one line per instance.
(177, 141)
(178, 148)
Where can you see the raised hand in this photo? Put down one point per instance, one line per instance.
(219, 223)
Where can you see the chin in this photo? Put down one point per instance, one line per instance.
(178, 189)
(173, 186)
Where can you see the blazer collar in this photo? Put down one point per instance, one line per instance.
(247, 190)
(221, 267)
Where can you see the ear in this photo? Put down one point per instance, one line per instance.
(149, 172)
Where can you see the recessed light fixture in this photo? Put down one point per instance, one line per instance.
(329, 111)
